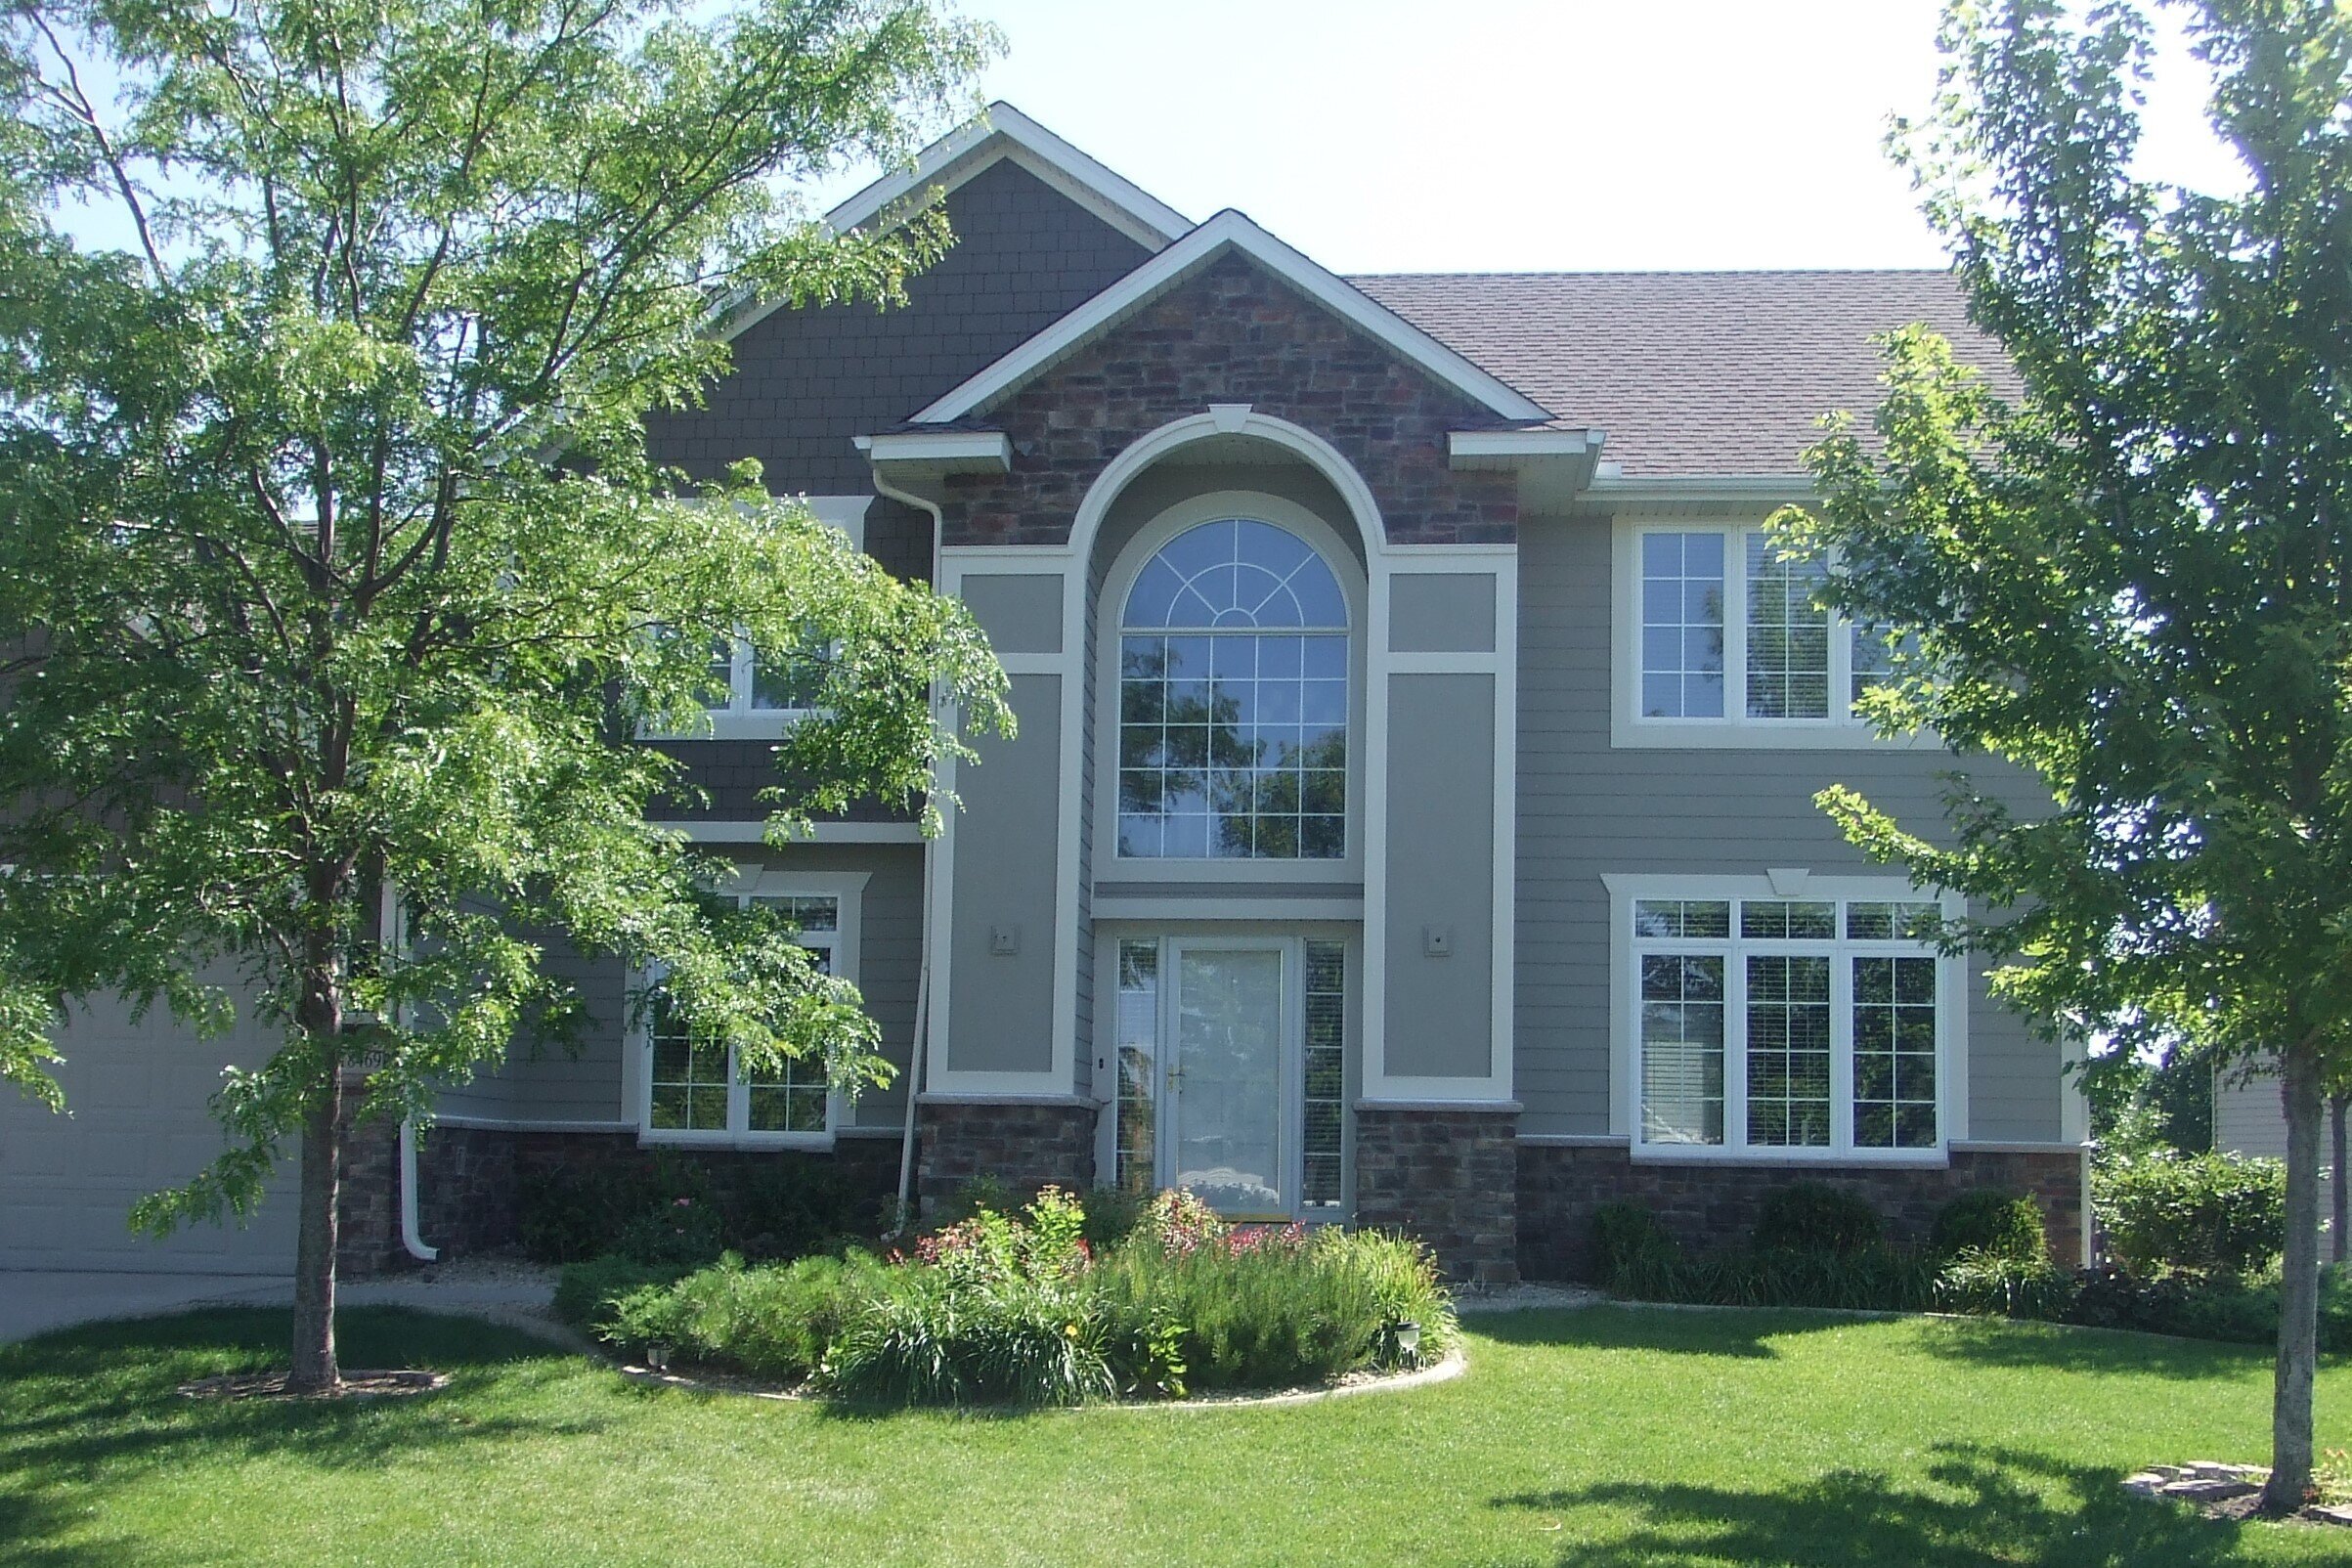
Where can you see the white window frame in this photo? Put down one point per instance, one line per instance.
(1630, 727)
(848, 891)
(1110, 620)
(1625, 951)
(737, 718)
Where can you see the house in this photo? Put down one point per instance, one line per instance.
(1410, 821)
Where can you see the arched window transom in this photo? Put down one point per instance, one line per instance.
(1234, 700)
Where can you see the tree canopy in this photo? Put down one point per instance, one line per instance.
(2133, 577)
(331, 560)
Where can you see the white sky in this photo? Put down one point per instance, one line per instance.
(1514, 135)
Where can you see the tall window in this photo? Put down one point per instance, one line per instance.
(695, 1088)
(1717, 601)
(1234, 700)
(1768, 1024)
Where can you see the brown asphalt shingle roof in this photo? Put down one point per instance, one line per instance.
(1698, 372)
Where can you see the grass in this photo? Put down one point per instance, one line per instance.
(1602, 1439)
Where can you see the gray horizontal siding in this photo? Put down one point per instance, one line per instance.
(1587, 809)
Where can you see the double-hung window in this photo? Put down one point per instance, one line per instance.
(1799, 1028)
(695, 1089)
(756, 693)
(1723, 635)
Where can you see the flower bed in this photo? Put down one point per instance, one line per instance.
(1022, 1309)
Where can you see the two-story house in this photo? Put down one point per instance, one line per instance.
(1410, 818)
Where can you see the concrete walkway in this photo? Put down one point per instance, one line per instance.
(33, 1301)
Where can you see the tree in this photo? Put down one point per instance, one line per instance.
(2134, 577)
(332, 559)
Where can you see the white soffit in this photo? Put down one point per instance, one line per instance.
(949, 451)
(1230, 231)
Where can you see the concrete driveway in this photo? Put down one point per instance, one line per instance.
(34, 1301)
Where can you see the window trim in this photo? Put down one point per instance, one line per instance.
(1952, 981)
(1108, 618)
(1630, 727)
(847, 889)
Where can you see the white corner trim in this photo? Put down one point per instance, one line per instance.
(947, 162)
(953, 451)
(1230, 231)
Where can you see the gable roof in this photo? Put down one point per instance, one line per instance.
(1698, 372)
(1230, 231)
(1002, 131)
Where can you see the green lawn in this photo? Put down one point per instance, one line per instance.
(1606, 1437)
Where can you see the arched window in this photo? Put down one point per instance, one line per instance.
(1234, 700)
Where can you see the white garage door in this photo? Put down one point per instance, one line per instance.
(138, 1121)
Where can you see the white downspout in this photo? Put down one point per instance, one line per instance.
(919, 1049)
(411, 1239)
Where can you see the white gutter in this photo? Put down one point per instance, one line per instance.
(918, 1047)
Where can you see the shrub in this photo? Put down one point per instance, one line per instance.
(1997, 1283)
(1816, 1218)
(1112, 1215)
(931, 1341)
(1629, 1243)
(682, 1234)
(585, 1292)
(791, 1208)
(571, 1215)
(1993, 1222)
(2200, 1213)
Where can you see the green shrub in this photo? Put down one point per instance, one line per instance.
(1629, 1243)
(1989, 1221)
(2006, 1284)
(931, 1341)
(2200, 1213)
(793, 1207)
(585, 1292)
(682, 1234)
(1112, 1215)
(1814, 1217)
(569, 1215)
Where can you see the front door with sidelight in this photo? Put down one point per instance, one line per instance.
(1230, 1071)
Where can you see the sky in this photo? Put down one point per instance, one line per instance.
(1498, 135)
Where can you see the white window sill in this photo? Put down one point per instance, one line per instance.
(1758, 735)
(654, 1137)
(765, 723)
(1723, 1154)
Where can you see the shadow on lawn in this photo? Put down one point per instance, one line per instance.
(2056, 1347)
(1994, 1506)
(1735, 1332)
(100, 1403)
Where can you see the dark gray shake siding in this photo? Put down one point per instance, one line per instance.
(1585, 810)
(806, 381)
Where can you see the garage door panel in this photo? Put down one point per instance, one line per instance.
(139, 1095)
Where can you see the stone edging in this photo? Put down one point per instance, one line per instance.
(1446, 1370)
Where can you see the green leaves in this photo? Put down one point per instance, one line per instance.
(331, 558)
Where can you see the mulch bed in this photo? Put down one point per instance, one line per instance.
(2217, 1491)
(354, 1385)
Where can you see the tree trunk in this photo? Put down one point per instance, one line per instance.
(315, 1370)
(2340, 1218)
(2298, 1286)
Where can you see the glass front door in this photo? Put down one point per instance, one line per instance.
(1229, 1077)
(1226, 1101)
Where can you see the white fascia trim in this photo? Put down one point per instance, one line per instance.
(951, 451)
(1082, 175)
(739, 832)
(1503, 448)
(1769, 489)
(1231, 230)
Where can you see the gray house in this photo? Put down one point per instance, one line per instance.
(1410, 821)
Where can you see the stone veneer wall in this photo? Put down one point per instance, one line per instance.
(1023, 1143)
(1235, 334)
(1715, 1206)
(470, 1181)
(1447, 1177)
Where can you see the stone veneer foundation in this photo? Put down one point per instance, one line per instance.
(1714, 1206)
(1025, 1144)
(1447, 1177)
